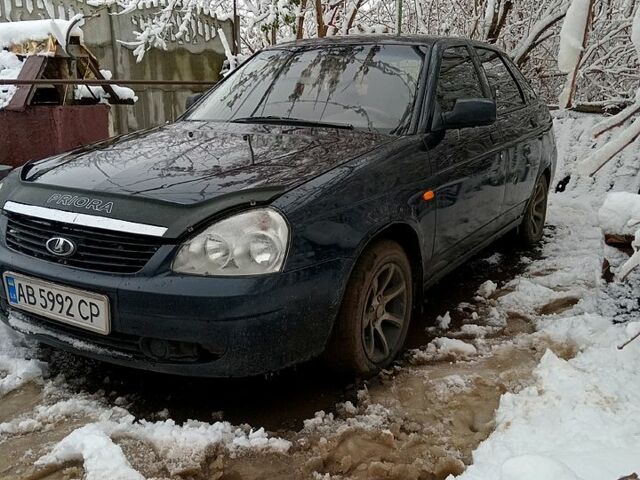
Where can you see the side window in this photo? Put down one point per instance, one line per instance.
(506, 90)
(457, 78)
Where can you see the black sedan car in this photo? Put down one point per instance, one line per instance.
(301, 207)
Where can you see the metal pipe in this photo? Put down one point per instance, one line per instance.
(97, 82)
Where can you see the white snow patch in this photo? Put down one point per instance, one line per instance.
(10, 67)
(86, 91)
(451, 346)
(494, 259)
(473, 330)
(572, 35)
(581, 417)
(16, 364)
(620, 213)
(487, 289)
(535, 467)
(443, 321)
(16, 33)
(182, 447)
(101, 457)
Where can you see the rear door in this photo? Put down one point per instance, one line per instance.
(517, 122)
(468, 169)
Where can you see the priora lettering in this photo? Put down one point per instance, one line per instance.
(83, 202)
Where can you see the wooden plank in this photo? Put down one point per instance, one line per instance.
(113, 96)
(31, 70)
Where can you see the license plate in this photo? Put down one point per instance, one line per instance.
(82, 309)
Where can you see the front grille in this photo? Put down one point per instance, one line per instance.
(97, 249)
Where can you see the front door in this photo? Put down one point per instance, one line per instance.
(469, 167)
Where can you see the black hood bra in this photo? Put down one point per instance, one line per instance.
(190, 162)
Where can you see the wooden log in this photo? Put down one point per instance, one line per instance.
(621, 242)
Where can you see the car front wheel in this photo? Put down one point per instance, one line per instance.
(375, 313)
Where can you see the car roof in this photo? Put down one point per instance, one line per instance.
(355, 39)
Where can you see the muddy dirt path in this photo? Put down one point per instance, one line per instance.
(421, 420)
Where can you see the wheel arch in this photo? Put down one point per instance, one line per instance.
(408, 238)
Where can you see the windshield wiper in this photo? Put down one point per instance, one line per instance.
(291, 121)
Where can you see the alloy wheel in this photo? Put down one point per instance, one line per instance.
(385, 312)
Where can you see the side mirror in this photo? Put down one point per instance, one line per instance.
(470, 112)
(192, 99)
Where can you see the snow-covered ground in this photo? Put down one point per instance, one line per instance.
(580, 418)
(525, 373)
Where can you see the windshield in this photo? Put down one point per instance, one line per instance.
(370, 87)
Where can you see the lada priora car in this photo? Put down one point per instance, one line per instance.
(301, 207)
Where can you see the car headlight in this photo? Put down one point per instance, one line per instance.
(248, 243)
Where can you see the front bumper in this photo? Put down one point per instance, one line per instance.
(187, 325)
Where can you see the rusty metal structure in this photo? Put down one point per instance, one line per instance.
(50, 60)
(44, 118)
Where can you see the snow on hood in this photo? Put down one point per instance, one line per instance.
(14, 33)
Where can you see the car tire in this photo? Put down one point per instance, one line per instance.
(531, 229)
(375, 313)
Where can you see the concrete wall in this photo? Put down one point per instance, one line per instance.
(199, 56)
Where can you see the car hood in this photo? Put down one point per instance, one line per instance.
(192, 169)
(191, 162)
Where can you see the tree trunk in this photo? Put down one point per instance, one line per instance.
(300, 25)
(322, 28)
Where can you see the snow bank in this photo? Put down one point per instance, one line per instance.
(182, 448)
(620, 213)
(14, 33)
(101, 457)
(580, 420)
(10, 66)
(16, 365)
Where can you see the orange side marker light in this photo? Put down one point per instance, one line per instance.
(428, 195)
